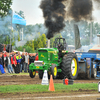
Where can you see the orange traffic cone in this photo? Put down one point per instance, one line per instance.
(51, 85)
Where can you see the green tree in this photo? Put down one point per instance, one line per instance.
(28, 49)
(35, 44)
(7, 40)
(40, 43)
(18, 37)
(5, 7)
(21, 13)
(20, 48)
(30, 44)
(43, 39)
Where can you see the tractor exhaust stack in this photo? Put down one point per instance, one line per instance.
(48, 43)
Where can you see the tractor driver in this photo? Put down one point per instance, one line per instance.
(60, 47)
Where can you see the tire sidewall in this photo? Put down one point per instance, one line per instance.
(74, 56)
(52, 71)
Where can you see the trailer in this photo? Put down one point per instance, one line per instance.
(89, 62)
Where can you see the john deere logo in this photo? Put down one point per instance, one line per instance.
(42, 55)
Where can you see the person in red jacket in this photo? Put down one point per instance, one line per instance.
(36, 57)
(14, 62)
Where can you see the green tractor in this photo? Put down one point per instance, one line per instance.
(57, 61)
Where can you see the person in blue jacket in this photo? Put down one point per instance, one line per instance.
(18, 58)
(1, 64)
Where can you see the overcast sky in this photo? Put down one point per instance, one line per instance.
(33, 14)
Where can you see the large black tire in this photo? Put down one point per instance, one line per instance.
(54, 71)
(67, 64)
(32, 74)
(49, 73)
(40, 73)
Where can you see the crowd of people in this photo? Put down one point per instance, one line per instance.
(16, 62)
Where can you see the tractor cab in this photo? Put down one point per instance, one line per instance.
(60, 43)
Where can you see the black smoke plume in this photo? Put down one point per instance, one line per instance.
(80, 9)
(54, 13)
(97, 2)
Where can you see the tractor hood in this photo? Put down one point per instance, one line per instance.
(45, 53)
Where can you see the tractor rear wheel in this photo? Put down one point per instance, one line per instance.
(40, 73)
(54, 71)
(32, 74)
(69, 66)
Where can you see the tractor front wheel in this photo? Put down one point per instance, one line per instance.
(54, 71)
(69, 66)
(32, 74)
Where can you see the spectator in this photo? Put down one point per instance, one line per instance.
(8, 63)
(36, 57)
(14, 62)
(3, 61)
(31, 58)
(18, 58)
(1, 64)
(26, 62)
(4, 57)
(22, 62)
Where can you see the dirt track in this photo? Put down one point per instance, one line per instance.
(25, 79)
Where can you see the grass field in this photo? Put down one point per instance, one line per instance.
(59, 87)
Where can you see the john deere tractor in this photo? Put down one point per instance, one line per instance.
(57, 61)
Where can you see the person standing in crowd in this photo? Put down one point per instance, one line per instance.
(29, 54)
(8, 63)
(31, 58)
(5, 56)
(36, 57)
(3, 61)
(14, 62)
(1, 64)
(18, 58)
(22, 62)
(26, 62)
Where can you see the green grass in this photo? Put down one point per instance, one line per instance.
(44, 88)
